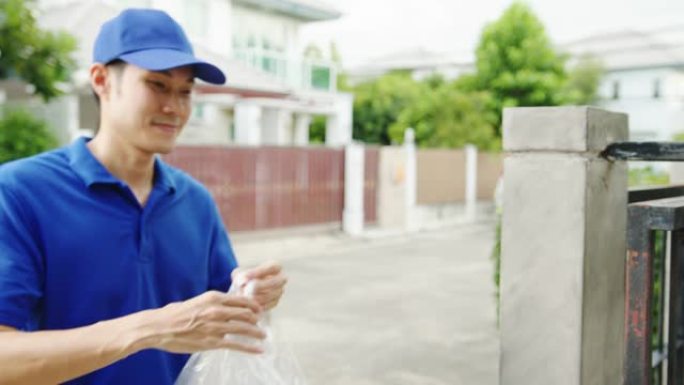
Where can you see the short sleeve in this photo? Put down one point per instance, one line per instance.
(222, 260)
(21, 263)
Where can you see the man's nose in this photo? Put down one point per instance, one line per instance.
(174, 104)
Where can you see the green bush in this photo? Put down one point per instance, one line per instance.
(647, 176)
(22, 135)
(317, 129)
(496, 258)
(450, 118)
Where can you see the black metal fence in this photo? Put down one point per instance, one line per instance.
(654, 324)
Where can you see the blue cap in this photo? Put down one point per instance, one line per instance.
(152, 40)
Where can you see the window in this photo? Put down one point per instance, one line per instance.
(616, 89)
(268, 62)
(197, 113)
(251, 41)
(656, 89)
(265, 43)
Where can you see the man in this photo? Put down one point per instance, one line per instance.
(113, 265)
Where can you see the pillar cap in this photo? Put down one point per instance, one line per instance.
(567, 129)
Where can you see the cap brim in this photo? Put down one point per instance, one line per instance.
(165, 59)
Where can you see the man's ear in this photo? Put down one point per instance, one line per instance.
(100, 80)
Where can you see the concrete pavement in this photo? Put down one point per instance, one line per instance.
(412, 309)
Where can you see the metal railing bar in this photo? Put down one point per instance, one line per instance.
(641, 194)
(649, 151)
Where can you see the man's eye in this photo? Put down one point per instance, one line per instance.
(158, 86)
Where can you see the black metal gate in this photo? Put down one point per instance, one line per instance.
(654, 324)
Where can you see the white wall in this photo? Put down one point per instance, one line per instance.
(213, 127)
(206, 22)
(650, 118)
(281, 32)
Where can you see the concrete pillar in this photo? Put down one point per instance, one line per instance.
(276, 127)
(247, 124)
(563, 247)
(211, 126)
(352, 218)
(411, 178)
(338, 130)
(471, 182)
(391, 210)
(301, 134)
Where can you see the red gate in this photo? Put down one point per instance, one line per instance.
(268, 187)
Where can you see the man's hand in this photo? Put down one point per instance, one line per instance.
(269, 283)
(201, 323)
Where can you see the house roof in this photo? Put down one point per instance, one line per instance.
(632, 49)
(622, 50)
(412, 59)
(307, 10)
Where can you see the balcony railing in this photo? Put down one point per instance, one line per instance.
(297, 72)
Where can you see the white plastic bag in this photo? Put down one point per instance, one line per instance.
(228, 367)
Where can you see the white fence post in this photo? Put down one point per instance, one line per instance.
(353, 216)
(563, 247)
(471, 182)
(247, 124)
(338, 129)
(301, 131)
(411, 178)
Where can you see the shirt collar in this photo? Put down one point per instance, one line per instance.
(163, 175)
(92, 172)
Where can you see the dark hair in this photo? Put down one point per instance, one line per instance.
(116, 66)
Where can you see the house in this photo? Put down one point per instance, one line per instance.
(644, 77)
(272, 91)
(419, 62)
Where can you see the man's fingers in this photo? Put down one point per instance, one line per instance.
(220, 329)
(270, 305)
(241, 301)
(264, 270)
(270, 284)
(245, 348)
(244, 329)
(224, 314)
(220, 342)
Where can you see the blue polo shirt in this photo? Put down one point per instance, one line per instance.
(76, 248)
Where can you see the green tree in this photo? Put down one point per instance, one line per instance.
(378, 104)
(517, 64)
(448, 117)
(583, 81)
(39, 57)
(22, 135)
(317, 129)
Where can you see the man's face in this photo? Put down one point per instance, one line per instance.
(148, 109)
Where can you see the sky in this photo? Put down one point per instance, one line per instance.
(372, 28)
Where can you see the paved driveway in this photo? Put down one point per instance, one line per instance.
(410, 309)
